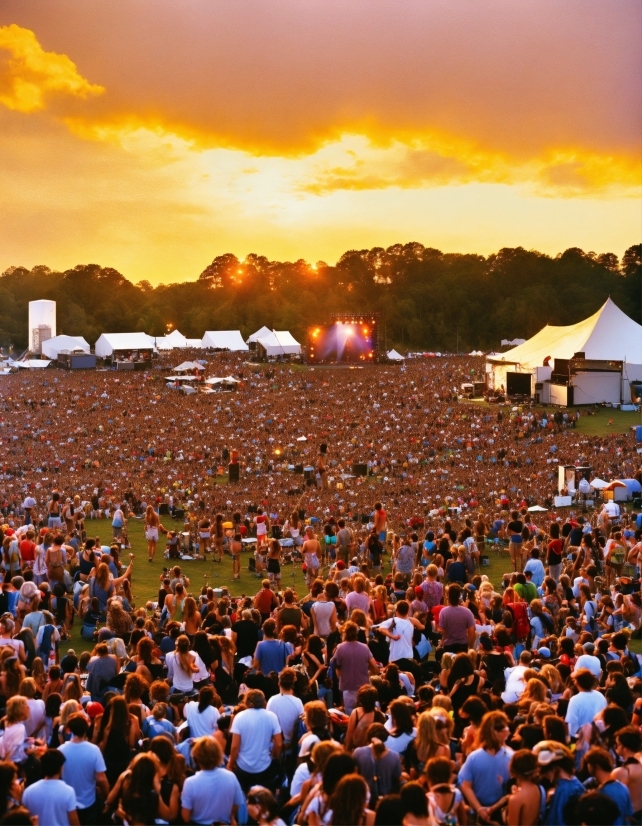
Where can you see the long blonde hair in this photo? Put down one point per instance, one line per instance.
(429, 738)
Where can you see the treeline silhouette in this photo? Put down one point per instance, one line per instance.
(426, 299)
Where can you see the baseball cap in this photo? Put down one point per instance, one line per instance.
(94, 709)
(419, 591)
(548, 751)
(589, 647)
(341, 565)
(544, 651)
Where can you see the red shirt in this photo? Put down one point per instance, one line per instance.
(27, 550)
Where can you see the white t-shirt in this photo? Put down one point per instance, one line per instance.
(51, 801)
(36, 717)
(201, 724)
(288, 709)
(514, 684)
(256, 727)
(401, 648)
(175, 674)
(583, 708)
(83, 760)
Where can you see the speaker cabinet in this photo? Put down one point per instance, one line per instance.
(233, 471)
(359, 469)
(163, 509)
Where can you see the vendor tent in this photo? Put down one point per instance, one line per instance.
(31, 364)
(264, 331)
(279, 343)
(609, 335)
(110, 343)
(64, 344)
(598, 484)
(224, 340)
(187, 366)
(393, 355)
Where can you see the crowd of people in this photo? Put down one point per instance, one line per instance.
(400, 686)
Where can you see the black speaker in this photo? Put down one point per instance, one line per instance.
(298, 468)
(359, 469)
(163, 509)
(308, 474)
(277, 532)
(301, 513)
(225, 455)
(365, 519)
(310, 482)
(233, 471)
(179, 513)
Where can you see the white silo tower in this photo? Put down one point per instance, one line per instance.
(42, 323)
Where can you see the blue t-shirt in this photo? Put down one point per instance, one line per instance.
(82, 761)
(487, 773)
(272, 655)
(620, 795)
(564, 791)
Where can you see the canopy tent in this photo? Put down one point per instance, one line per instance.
(262, 333)
(110, 343)
(607, 335)
(632, 485)
(64, 344)
(393, 355)
(224, 340)
(598, 484)
(224, 380)
(537, 509)
(186, 366)
(194, 343)
(181, 378)
(279, 343)
(171, 341)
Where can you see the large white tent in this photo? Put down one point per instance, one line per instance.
(279, 343)
(607, 335)
(393, 355)
(224, 340)
(64, 344)
(264, 331)
(172, 341)
(109, 343)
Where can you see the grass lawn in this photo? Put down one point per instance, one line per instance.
(146, 576)
(598, 425)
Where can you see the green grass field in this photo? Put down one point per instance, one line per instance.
(146, 576)
(598, 425)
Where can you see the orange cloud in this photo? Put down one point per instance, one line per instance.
(29, 74)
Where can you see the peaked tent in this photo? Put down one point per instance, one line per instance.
(224, 340)
(279, 343)
(264, 331)
(393, 355)
(607, 335)
(64, 344)
(170, 342)
(109, 343)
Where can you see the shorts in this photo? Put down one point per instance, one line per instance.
(204, 534)
(151, 534)
(54, 522)
(273, 566)
(383, 536)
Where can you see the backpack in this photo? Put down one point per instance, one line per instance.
(44, 649)
(520, 615)
(547, 622)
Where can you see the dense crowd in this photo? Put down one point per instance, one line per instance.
(403, 687)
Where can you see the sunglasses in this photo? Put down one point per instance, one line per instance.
(253, 800)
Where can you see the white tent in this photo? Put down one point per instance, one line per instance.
(196, 343)
(279, 343)
(393, 355)
(599, 484)
(607, 335)
(171, 341)
(64, 344)
(225, 380)
(186, 366)
(264, 331)
(31, 364)
(224, 340)
(109, 343)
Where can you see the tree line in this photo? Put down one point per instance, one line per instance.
(426, 299)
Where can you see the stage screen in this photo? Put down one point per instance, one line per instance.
(343, 342)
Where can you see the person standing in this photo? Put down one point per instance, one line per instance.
(381, 522)
(400, 630)
(84, 770)
(324, 615)
(515, 541)
(152, 526)
(198, 802)
(286, 706)
(457, 623)
(51, 800)
(345, 541)
(353, 663)
(487, 768)
(28, 505)
(256, 741)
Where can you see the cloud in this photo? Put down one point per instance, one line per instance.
(29, 75)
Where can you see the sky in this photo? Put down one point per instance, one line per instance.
(153, 135)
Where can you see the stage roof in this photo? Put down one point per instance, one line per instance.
(224, 340)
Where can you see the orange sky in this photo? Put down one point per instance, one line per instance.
(152, 135)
